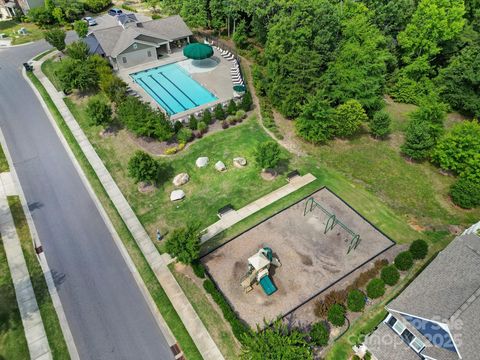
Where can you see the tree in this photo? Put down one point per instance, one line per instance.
(76, 74)
(194, 13)
(143, 168)
(276, 342)
(419, 249)
(391, 16)
(184, 243)
(380, 124)
(97, 5)
(348, 118)
(57, 14)
(459, 149)
(465, 193)
(430, 111)
(390, 275)
(184, 135)
(375, 288)
(420, 138)
(404, 261)
(219, 112)
(207, 117)
(267, 155)
(40, 16)
(56, 38)
(78, 50)
(460, 80)
(355, 300)
(114, 87)
(336, 315)
(192, 122)
(246, 103)
(316, 123)
(240, 36)
(320, 334)
(81, 28)
(99, 111)
(232, 108)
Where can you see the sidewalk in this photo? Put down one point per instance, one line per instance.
(195, 327)
(27, 304)
(233, 217)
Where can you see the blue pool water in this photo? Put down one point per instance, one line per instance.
(172, 88)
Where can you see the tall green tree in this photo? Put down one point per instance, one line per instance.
(420, 138)
(81, 28)
(391, 16)
(56, 38)
(77, 50)
(142, 167)
(316, 123)
(184, 243)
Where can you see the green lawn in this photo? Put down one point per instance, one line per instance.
(216, 325)
(13, 345)
(48, 68)
(156, 291)
(47, 311)
(11, 27)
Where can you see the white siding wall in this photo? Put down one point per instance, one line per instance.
(136, 57)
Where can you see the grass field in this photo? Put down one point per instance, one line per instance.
(47, 311)
(11, 27)
(156, 291)
(48, 68)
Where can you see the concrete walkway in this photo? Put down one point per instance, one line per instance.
(233, 217)
(27, 304)
(195, 327)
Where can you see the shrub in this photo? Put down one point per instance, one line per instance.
(336, 315)
(419, 249)
(224, 124)
(184, 243)
(465, 193)
(231, 120)
(177, 125)
(202, 127)
(207, 117)
(56, 38)
(238, 327)
(142, 167)
(184, 135)
(333, 297)
(232, 108)
(219, 112)
(198, 269)
(170, 151)
(192, 122)
(404, 260)
(420, 138)
(348, 118)
(375, 288)
(320, 334)
(267, 154)
(246, 103)
(355, 300)
(99, 111)
(390, 275)
(240, 114)
(380, 124)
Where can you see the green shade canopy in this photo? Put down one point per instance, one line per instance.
(239, 88)
(197, 51)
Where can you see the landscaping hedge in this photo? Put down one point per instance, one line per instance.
(419, 249)
(319, 334)
(390, 275)
(198, 269)
(355, 300)
(336, 315)
(238, 327)
(404, 261)
(375, 288)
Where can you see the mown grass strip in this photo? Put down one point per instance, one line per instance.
(40, 287)
(158, 294)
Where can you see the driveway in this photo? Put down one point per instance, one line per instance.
(107, 314)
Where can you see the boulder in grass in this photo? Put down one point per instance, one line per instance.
(220, 166)
(239, 162)
(202, 162)
(177, 195)
(181, 179)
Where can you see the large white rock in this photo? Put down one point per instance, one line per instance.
(220, 166)
(181, 179)
(177, 195)
(202, 162)
(239, 162)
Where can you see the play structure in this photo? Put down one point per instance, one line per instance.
(332, 220)
(258, 271)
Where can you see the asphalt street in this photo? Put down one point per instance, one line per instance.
(106, 312)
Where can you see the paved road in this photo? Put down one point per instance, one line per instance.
(107, 314)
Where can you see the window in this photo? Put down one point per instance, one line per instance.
(124, 59)
(398, 327)
(149, 53)
(407, 336)
(417, 345)
(391, 321)
(134, 45)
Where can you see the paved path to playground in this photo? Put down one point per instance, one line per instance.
(199, 334)
(27, 304)
(233, 217)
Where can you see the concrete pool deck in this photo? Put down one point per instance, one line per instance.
(218, 81)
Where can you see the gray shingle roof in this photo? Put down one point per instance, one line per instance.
(170, 28)
(448, 291)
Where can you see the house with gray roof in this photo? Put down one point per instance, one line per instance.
(437, 317)
(131, 42)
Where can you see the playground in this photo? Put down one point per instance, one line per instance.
(314, 243)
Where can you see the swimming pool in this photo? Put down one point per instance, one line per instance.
(173, 88)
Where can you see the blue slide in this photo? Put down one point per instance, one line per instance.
(267, 285)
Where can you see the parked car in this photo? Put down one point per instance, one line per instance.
(90, 21)
(114, 11)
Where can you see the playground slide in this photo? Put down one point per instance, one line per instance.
(267, 285)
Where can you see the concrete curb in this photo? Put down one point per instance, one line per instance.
(123, 251)
(57, 304)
